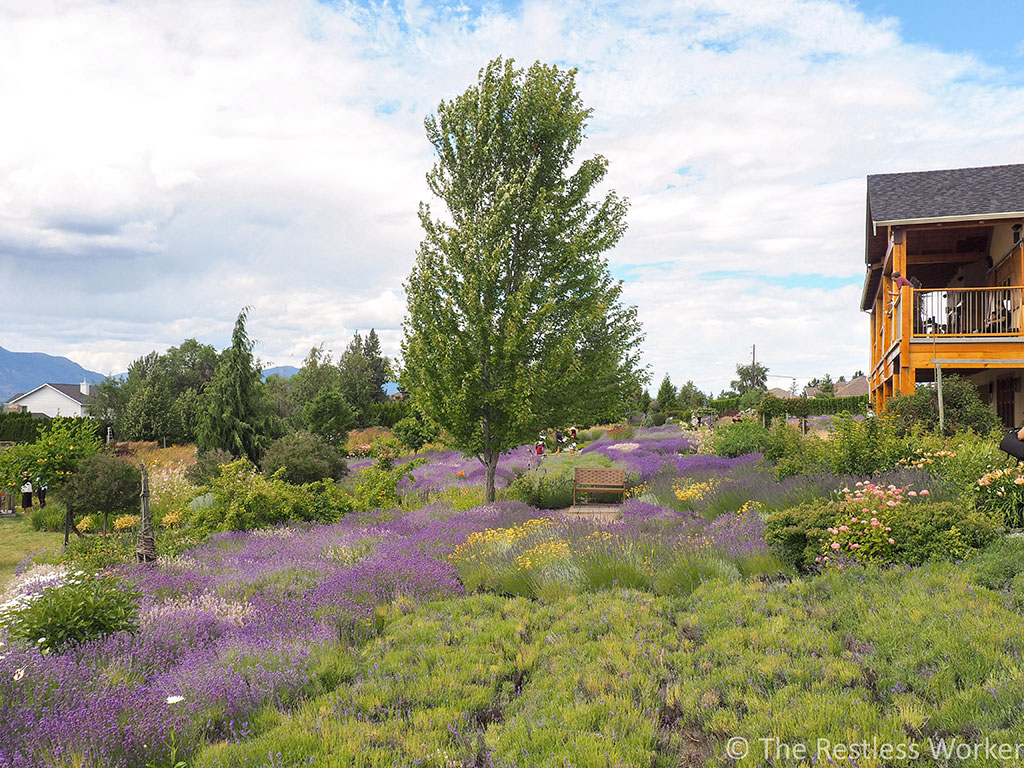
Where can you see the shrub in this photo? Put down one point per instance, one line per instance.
(940, 531)
(330, 416)
(688, 570)
(795, 534)
(207, 466)
(869, 446)
(739, 438)
(962, 408)
(999, 564)
(1001, 494)
(413, 432)
(83, 608)
(243, 499)
(50, 518)
(549, 486)
(303, 457)
(103, 483)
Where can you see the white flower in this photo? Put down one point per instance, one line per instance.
(175, 699)
(41, 640)
(19, 674)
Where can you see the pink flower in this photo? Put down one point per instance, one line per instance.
(844, 527)
(892, 541)
(890, 503)
(911, 493)
(835, 545)
(925, 492)
(875, 523)
(817, 559)
(854, 546)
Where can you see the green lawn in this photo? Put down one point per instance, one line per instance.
(18, 541)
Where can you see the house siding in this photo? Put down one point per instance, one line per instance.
(51, 403)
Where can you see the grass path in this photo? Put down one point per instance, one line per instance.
(18, 541)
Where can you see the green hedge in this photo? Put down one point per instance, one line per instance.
(802, 407)
(725, 404)
(20, 427)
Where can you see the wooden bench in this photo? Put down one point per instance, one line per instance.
(600, 480)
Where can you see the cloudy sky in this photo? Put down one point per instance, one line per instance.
(165, 162)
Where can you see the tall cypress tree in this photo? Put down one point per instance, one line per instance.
(235, 415)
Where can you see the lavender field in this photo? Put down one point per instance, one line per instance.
(509, 635)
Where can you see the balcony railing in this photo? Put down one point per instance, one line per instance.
(962, 312)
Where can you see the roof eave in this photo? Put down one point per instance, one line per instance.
(949, 219)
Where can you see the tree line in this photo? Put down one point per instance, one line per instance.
(194, 394)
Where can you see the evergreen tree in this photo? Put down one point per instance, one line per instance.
(235, 416)
(380, 367)
(666, 395)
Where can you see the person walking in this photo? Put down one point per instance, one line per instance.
(26, 494)
(41, 492)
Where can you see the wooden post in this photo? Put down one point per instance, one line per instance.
(145, 547)
(938, 386)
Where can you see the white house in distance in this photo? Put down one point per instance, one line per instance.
(54, 400)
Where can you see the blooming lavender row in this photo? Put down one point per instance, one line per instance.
(227, 628)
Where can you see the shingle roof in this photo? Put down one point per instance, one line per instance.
(74, 391)
(934, 194)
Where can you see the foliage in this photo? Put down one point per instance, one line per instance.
(80, 609)
(235, 415)
(62, 444)
(549, 486)
(796, 534)
(362, 374)
(19, 427)
(377, 486)
(871, 445)
(159, 399)
(103, 483)
(207, 465)
(1001, 494)
(724, 404)
(243, 499)
(414, 431)
(48, 518)
(802, 407)
(963, 408)
(512, 312)
(741, 437)
(303, 457)
(750, 377)
(666, 395)
(390, 412)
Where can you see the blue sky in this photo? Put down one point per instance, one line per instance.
(167, 162)
(992, 30)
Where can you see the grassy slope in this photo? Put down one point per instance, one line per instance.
(18, 541)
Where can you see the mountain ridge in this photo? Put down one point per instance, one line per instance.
(22, 372)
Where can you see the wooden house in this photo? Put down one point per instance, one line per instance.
(956, 236)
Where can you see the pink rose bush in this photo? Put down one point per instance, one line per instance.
(864, 529)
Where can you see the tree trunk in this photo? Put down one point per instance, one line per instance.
(491, 465)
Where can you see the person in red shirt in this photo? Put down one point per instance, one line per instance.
(899, 280)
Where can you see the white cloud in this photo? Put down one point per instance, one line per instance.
(167, 162)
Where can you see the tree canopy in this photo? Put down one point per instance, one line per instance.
(235, 415)
(514, 322)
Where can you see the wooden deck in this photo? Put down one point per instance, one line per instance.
(601, 513)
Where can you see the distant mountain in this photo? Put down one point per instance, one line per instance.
(21, 372)
(284, 371)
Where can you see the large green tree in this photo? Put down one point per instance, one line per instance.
(514, 322)
(666, 395)
(750, 377)
(235, 415)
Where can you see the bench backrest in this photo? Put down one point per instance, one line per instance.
(603, 476)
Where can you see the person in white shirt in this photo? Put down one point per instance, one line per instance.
(26, 494)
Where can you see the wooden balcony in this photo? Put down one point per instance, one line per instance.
(959, 313)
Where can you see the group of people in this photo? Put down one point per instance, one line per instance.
(562, 440)
(27, 488)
